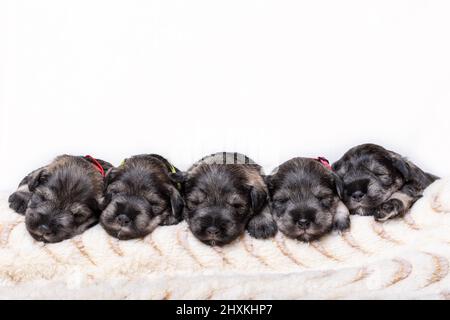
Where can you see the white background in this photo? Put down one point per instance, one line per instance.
(273, 79)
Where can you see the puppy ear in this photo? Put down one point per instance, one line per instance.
(176, 202)
(262, 226)
(258, 197)
(339, 185)
(401, 165)
(37, 178)
(111, 175)
(102, 203)
(179, 177)
(268, 180)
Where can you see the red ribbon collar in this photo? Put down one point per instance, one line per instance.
(325, 162)
(97, 165)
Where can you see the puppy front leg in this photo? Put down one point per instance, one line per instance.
(262, 226)
(170, 221)
(398, 204)
(341, 220)
(18, 201)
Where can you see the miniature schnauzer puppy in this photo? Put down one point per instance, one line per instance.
(62, 199)
(225, 194)
(379, 182)
(140, 196)
(305, 199)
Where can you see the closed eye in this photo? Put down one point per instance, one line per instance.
(157, 207)
(195, 202)
(196, 198)
(326, 201)
(35, 215)
(41, 197)
(114, 192)
(280, 201)
(79, 214)
(386, 179)
(325, 193)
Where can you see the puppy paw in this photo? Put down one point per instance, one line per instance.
(389, 210)
(170, 221)
(262, 227)
(341, 220)
(18, 201)
(364, 212)
(341, 224)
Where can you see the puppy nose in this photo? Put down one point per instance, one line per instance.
(358, 195)
(45, 230)
(213, 231)
(123, 220)
(303, 223)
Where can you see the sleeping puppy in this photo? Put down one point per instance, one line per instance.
(139, 197)
(63, 199)
(380, 182)
(225, 194)
(305, 199)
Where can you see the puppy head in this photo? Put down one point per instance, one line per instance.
(371, 174)
(304, 196)
(64, 204)
(221, 199)
(139, 196)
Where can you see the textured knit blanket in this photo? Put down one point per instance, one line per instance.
(406, 258)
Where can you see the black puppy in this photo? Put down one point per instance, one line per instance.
(140, 196)
(225, 194)
(380, 182)
(305, 199)
(63, 199)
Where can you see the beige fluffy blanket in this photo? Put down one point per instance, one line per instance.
(401, 259)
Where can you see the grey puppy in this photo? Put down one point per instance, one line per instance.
(225, 194)
(380, 182)
(305, 199)
(62, 199)
(140, 196)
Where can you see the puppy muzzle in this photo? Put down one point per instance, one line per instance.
(214, 227)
